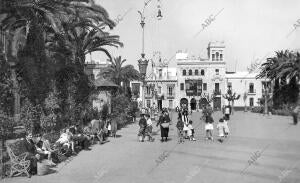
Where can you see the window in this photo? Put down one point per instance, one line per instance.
(190, 72)
(184, 72)
(202, 72)
(251, 102)
(213, 57)
(159, 90)
(170, 103)
(217, 86)
(196, 72)
(160, 73)
(148, 90)
(217, 56)
(148, 103)
(221, 57)
(204, 86)
(170, 91)
(181, 86)
(251, 88)
(217, 71)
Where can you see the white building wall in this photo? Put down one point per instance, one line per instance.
(240, 85)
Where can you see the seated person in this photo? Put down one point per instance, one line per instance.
(43, 147)
(80, 138)
(66, 139)
(33, 155)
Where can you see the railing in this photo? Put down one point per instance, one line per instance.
(172, 96)
(252, 91)
(217, 92)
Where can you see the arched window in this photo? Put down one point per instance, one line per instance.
(221, 57)
(196, 72)
(190, 72)
(184, 72)
(213, 57)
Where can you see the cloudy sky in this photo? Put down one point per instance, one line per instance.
(251, 29)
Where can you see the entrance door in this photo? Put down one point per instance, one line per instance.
(193, 104)
(217, 103)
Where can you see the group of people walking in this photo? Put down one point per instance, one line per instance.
(146, 127)
(185, 129)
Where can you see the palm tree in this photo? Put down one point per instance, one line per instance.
(80, 39)
(119, 73)
(284, 69)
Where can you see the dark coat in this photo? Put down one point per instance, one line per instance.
(29, 146)
(143, 123)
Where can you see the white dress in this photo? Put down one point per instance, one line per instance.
(209, 126)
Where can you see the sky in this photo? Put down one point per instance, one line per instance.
(251, 29)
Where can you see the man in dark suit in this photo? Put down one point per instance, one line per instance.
(33, 156)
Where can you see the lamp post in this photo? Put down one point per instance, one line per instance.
(143, 62)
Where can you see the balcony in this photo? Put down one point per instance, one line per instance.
(217, 92)
(251, 92)
(171, 96)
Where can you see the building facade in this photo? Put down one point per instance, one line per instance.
(251, 90)
(199, 81)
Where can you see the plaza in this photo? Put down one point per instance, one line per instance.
(125, 160)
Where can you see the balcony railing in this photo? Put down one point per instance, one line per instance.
(217, 92)
(171, 96)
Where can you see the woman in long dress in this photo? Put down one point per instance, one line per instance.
(164, 121)
(185, 119)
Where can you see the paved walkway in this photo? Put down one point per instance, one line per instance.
(124, 160)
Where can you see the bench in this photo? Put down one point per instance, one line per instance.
(19, 164)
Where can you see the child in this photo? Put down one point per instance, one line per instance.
(148, 131)
(180, 126)
(226, 128)
(191, 131)
(221, 128)
(209, 127)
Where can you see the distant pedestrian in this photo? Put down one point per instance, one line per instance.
(191, 131)
(180, 126)
(114, 128)
(185, 120)
(227, 112)
(209, 127)
(164, 123)
(149, 128)
(295, 114)
(221, 130)
(226, 130)
(142, 125)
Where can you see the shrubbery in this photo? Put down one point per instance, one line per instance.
(123, 110)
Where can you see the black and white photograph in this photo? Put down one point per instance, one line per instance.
(149, 91)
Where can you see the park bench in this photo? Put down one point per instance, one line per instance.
(19, 164)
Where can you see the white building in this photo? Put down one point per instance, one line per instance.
(246, 85)
(198, 81)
